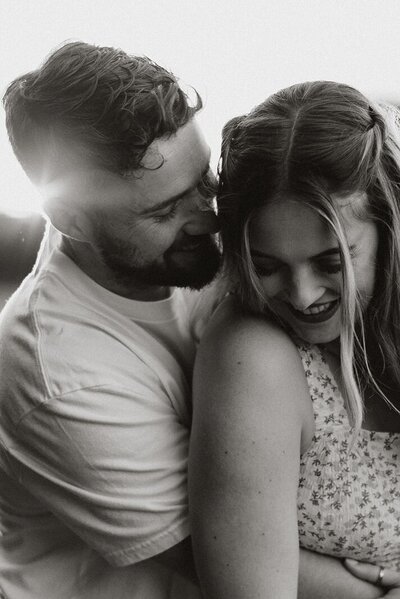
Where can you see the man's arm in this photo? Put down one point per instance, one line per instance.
(180, 559)
(121, 483)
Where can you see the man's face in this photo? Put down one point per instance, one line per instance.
(156, 228)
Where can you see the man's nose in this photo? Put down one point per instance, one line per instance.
(202, 218)
(205, 204)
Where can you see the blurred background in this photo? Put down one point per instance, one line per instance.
(234, 52)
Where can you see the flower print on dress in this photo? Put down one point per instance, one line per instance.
(348, 496)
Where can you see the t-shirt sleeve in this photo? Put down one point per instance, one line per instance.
(111, 462)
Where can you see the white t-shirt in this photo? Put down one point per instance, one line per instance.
(94, 426)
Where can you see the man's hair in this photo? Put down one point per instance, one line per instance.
(314, 142)
(99, 99)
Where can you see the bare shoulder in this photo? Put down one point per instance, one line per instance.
(231, 334)
(249, 426)
(246, 360)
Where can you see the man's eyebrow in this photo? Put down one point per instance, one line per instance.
(330, 252)
(168, 202)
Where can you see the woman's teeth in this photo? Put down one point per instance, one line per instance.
(318, 309)
(317, 313)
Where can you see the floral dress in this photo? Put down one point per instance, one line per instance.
(348, 496)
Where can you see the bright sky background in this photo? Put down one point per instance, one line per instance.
(235, 52)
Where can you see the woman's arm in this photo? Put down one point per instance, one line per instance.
(251, 408)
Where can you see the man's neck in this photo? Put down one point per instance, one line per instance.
(90, 263)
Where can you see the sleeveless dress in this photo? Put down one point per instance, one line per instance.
(348, 496)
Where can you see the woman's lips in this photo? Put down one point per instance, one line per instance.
(317, 313)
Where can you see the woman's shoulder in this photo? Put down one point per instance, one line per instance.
(246, 333)
(247, 360)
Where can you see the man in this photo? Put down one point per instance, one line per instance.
(96, 348)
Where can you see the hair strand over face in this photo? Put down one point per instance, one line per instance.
(315, 142)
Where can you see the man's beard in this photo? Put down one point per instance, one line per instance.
(200, 268)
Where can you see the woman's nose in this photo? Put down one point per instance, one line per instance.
(304, 289)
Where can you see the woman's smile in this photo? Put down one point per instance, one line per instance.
(301, 274)
(316, 313)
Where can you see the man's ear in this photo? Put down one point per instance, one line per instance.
(69, 219)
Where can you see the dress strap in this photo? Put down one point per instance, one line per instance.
(328, 402)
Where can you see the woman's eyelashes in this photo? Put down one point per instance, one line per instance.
(336, 265)
(330, 268)
(264, 270)
(326, 264)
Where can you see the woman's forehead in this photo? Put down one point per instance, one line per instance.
(290, 223)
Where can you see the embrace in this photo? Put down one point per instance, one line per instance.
(200, 401)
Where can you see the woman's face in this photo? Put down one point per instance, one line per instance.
(298, 262)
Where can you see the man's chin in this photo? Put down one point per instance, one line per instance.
(195, 283)
(194, 278)
(192, 271)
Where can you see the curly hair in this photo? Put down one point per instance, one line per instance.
(315, 141)
(111, 104)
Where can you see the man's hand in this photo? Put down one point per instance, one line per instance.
(326, 577)
(180, 559)
(388, 580)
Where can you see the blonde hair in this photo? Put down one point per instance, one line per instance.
(316, 141)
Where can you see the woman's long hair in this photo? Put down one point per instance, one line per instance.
(315, 142)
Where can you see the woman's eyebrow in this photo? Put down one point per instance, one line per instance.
(333, 252)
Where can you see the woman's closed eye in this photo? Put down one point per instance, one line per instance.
(266, 270)
(334, 265)
(330, 267)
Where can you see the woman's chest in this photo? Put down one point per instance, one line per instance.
(349, 497)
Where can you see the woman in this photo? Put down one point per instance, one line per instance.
(296, 426)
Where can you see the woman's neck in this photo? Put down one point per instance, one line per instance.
(332, 348)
